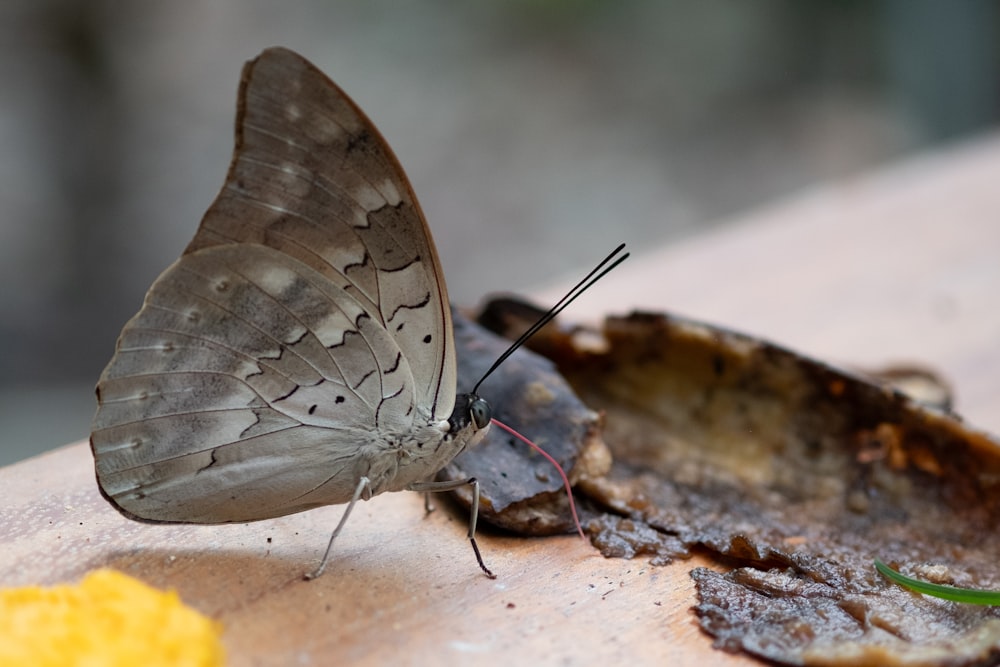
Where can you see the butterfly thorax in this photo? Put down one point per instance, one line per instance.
(417, 455)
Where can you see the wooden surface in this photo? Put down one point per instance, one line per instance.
(901, 265)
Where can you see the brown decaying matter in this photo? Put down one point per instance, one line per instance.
(794, 474)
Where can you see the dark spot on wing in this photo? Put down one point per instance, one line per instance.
(361, 141)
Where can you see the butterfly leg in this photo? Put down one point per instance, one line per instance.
(437, 487)
(363, 483)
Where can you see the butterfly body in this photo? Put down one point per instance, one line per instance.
(300, 351)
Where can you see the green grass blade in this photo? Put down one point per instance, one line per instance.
(970, 595)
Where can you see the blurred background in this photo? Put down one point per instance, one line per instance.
(537, 134)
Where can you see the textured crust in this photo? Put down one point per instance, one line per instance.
(795, 475)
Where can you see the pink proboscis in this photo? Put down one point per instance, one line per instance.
(550, 459)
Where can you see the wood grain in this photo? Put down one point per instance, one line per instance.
(899, 265)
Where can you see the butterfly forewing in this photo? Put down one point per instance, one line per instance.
(306, 317)
(312, 177)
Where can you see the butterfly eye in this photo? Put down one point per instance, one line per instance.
(481, 412)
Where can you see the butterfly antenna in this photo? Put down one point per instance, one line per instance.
(606, 265)
(599, 271)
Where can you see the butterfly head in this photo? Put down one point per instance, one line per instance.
(470, 420)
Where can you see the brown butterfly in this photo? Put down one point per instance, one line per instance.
(300, 351)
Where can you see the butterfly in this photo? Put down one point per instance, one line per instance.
(300, 352)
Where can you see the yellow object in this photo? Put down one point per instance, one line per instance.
(108, 619)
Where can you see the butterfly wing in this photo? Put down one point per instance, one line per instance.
(312, 177)
(307, 317)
